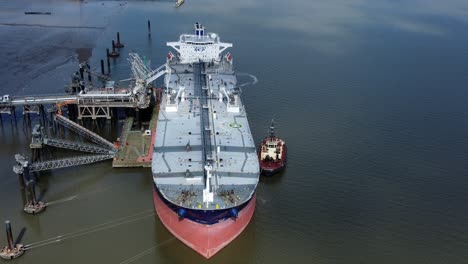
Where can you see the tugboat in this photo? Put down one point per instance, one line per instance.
(272, 154)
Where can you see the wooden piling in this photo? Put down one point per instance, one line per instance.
(118, 44)
(114, 53)
(102, 66)
(9, 234)
(149, 28)
(108, 65)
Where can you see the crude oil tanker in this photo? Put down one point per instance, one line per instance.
(205, 167)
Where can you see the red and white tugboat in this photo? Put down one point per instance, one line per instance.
(272, 154)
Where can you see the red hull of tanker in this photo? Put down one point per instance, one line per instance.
(207, 240)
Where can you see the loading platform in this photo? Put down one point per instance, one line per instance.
(135, 147)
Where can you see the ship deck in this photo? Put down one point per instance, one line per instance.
(181, 144)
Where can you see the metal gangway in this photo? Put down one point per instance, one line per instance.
(102, 151)
(78, 146)
(23, 167)
(39, 139)
(22, 162)
(37, 100)
(33, 104)
(84, 132)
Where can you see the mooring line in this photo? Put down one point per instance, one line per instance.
(96, 226)
(62, 238)
(91, 229)
(141, 254)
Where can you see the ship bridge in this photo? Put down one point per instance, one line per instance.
(198, 47)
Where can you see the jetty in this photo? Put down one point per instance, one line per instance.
(85, 100)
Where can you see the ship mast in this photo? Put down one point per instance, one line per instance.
(271, 131)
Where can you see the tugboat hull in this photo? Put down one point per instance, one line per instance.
(271, 171)
(269, 168)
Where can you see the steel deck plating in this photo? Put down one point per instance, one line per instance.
(204, 155)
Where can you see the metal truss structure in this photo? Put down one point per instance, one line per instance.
(84, 132)
(78, 146)
(94, 112)
(31, 109)
(22, 163)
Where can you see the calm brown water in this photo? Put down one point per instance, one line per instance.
(370, 96)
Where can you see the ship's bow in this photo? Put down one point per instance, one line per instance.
(205, 239)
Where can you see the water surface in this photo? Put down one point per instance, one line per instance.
(370, 97)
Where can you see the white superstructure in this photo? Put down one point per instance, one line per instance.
(199, 47)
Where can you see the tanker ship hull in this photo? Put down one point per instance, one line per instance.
(206, 239)
(204, 165)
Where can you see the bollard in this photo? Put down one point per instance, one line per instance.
(118, 44)
(107, 52)
(102, 66)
